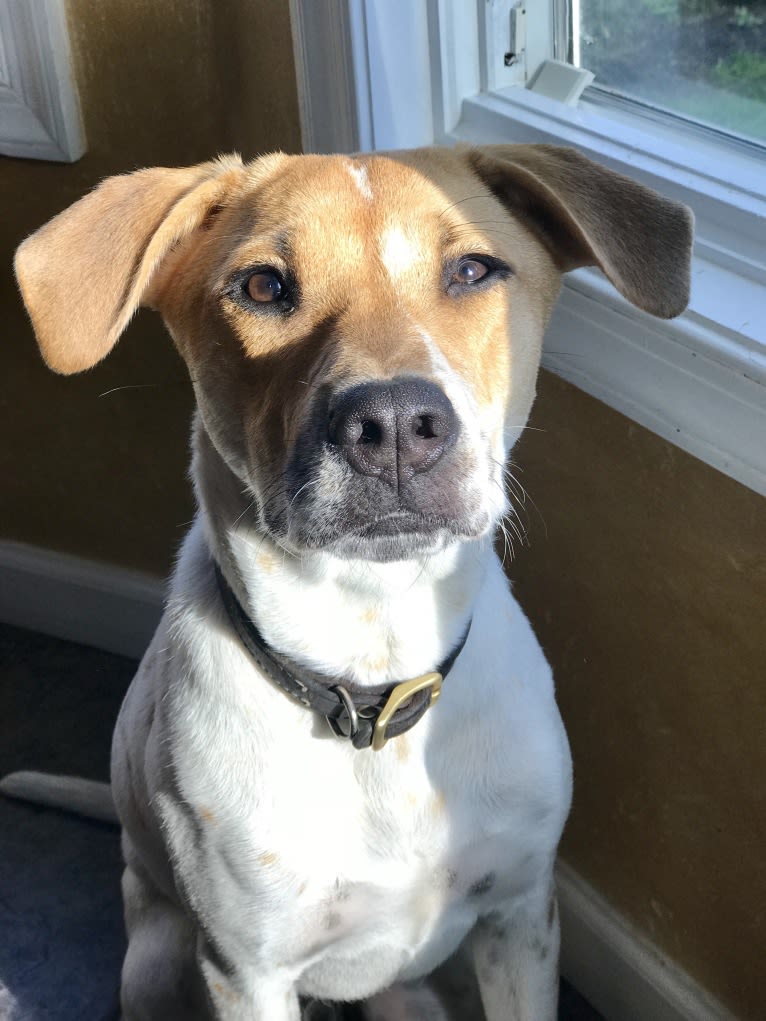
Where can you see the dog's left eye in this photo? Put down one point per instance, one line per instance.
(469, 271)
(477, 271)
(264, 287)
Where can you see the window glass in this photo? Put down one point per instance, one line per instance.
(704, 59)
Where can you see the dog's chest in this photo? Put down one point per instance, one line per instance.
(353, 878)
(400, 897)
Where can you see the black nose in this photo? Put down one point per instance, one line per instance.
(393, 429)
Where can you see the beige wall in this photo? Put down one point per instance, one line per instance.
(161, 83)
(647, 590)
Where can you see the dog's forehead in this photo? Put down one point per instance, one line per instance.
(407, 201)
(384, 181)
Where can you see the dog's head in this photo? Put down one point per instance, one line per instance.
(363, 333)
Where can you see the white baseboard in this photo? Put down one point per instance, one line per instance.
(109, 607)
(116, 609)
(616, 969)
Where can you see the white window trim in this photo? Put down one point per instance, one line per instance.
(405, 70)
(39, 113)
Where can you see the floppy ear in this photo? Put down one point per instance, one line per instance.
(587, 215)
(84, 274)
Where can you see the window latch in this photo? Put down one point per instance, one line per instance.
(516, 34)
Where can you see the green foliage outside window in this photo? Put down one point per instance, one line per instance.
(702, 58)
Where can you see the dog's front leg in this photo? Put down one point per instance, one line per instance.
(171, 974)
(516, 959)
(242, 996)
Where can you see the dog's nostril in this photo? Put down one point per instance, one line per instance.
(371, 432)
(423, 426)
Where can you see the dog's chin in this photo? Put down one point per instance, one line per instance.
(385, 548)
(394, 537)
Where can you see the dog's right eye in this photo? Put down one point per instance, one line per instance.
(264, 287)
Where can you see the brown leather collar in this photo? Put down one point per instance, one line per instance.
(367, 717)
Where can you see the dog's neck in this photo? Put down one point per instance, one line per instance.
(367, 621)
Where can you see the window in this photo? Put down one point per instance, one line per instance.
(704, 60)
(416, 72)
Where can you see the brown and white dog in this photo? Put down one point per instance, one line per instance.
(363, 336)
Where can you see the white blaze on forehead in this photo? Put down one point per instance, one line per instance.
(397, 252)
(361, 180)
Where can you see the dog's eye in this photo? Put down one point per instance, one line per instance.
(265, 287)
(474, 271)
(469, 271)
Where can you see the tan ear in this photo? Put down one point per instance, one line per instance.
(590, 216)
(84, 274)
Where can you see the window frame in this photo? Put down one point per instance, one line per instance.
(38, 97)
(698, 381)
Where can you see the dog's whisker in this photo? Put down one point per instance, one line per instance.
(468, 198)
(306, 485)
(134, 386)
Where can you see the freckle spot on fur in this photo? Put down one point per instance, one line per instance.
(370, 615)
(495, 927)
(494, 956)
(268, 858)
(376, 665)
(540, 947)
(482, 886)
(487, 974)
(302, 887)
(266, 562)
(342, 891)
(224, 993)
(552, 911)
(411, 799)
(206, 815)
(438, 804)
(402, 749)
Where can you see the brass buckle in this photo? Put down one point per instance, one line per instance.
(401, 694)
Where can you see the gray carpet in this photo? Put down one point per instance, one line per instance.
(61, 938)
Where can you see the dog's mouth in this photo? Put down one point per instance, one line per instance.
(397, 535)
(399, 523)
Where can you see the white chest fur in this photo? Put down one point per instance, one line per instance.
(348, 869)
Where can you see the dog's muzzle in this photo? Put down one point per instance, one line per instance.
(379, 470)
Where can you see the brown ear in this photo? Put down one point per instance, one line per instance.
(84, 274)
(590, 216)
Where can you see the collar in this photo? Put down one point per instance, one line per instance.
(369, 716)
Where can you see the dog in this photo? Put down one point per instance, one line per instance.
(341, 763)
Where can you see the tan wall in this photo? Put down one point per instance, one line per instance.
(161, 83)
(648, 593)
(648, 589)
